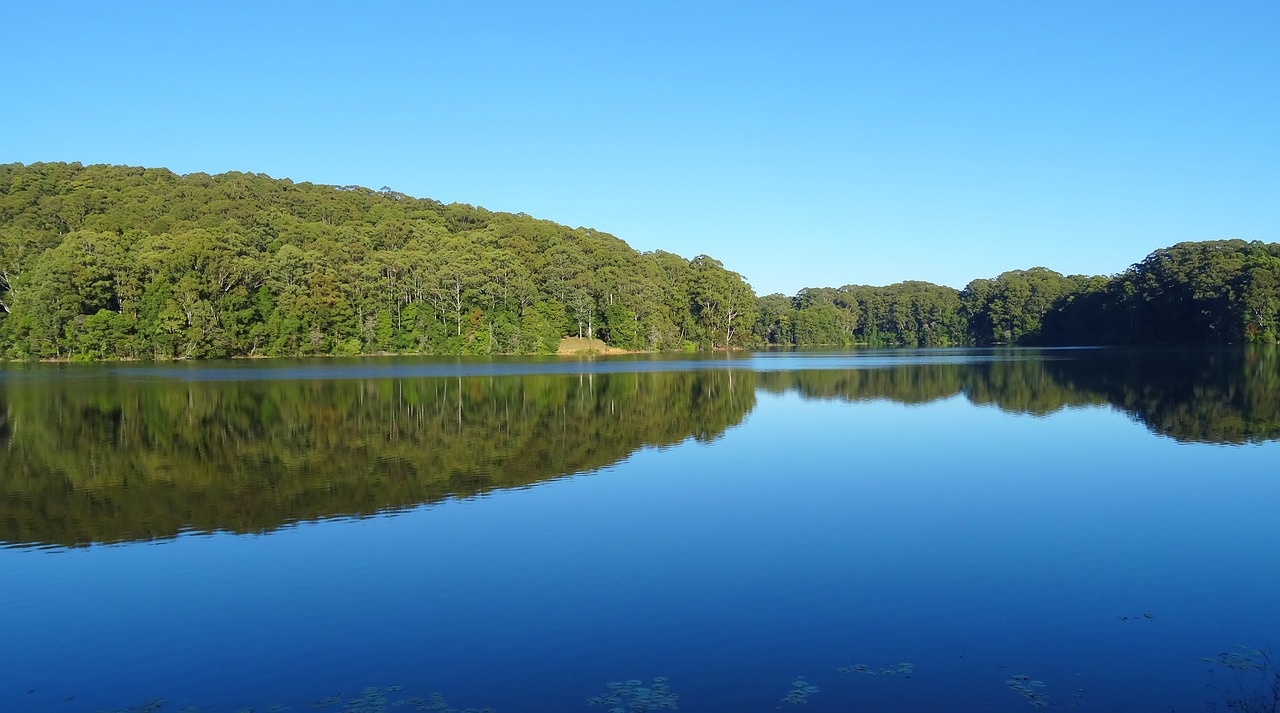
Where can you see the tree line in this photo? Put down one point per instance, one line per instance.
(1193, 293)
(112, 262)
(117, 262)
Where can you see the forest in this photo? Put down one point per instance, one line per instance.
(115, 262)
(1191, 294)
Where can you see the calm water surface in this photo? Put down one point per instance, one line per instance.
(901, 531)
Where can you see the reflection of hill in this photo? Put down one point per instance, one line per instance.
(1227, 396)
(1025, 385)
(908, 383)
(106, 460)
(1210, 397)
(94, 461)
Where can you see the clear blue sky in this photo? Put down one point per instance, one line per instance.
(803, 144)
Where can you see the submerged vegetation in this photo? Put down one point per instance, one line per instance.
(798, 694)
(1031, 689)
(116, 262)
(1255, 680)
(1257, 694)
(633, 696)
(372, 699)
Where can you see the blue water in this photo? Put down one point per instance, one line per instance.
(1077, 548)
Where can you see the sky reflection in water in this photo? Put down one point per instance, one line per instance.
(947, 515)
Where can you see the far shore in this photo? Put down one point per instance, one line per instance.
(569, 346)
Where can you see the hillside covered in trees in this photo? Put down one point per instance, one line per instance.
(1197, 293)
(116, 262)
(103, 262)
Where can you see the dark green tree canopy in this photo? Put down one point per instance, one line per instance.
(1203, 293)
(906, 314)
(111, 262)
(104, 262)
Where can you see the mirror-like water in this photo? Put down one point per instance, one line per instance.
(879, 531)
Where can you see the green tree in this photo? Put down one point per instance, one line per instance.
(722, 303)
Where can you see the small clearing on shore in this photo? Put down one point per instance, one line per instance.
(581, 345)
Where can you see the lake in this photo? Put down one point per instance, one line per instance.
(926, 530)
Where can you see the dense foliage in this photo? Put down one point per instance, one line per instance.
(1203, 293)
(119, 262)
(1213, 292)
(910, 314)
(110, 262)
